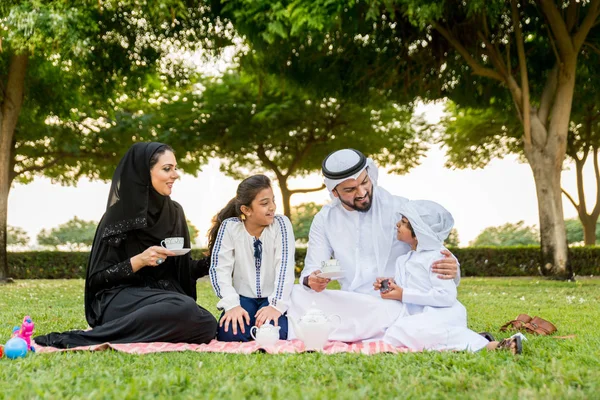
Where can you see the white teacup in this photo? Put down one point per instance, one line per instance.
(172, 243)
(332, 265)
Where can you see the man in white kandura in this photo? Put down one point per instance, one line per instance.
(358, 229)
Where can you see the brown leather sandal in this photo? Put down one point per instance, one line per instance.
(516, 324)
(513, 344)
(540, 326)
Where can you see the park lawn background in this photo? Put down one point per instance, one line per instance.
(548, 368)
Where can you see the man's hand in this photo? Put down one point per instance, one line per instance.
(317, 284)
(236, 316)
(447, 267)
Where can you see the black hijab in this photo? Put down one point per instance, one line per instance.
(137, 217)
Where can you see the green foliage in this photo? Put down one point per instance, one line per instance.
(452, 240)
(509, 234)
(256, 121)
(575, 231)
(548, 369)
(192, 230)
(475, 136)
(75, 234)
(302, 216)
(521, 260)
(17, 236)
(47, 264)
(474, 261)
(84, 61)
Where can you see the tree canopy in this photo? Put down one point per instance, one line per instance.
(473, 52)
(75, 234)
(17, 236)
(255, 122)
(66, 67)
(303, 215)
(509, 234)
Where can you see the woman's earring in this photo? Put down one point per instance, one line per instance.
(243, 217)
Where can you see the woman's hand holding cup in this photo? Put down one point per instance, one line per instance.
(151, 257)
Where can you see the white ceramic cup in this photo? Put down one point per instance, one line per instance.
(172, 243)
(330, 266)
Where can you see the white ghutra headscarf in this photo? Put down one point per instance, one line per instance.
(431, 222)
(346, 164)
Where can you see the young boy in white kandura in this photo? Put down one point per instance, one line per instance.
(433, 319)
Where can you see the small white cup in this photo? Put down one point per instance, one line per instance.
(330, 266)
(172, 243)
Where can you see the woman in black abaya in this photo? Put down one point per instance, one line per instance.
(135, 290)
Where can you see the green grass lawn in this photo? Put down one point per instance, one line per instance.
(548, 368)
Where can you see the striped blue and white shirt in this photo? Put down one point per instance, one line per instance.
(235, 271)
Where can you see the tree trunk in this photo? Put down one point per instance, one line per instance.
(286, 195)
(589, 230)
(546, 153)
(553, 235)
(9, 114)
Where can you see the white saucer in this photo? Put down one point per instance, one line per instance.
(180, 252)
(331, 274)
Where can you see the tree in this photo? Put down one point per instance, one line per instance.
(257, 122)
(17, 236)
(478, 50)
(303, 215)
(475, 135)
(575, 231)
(584, 141)
(75, 234)
(509, 234)
(193, 231)
(452, 240)
(64, 69)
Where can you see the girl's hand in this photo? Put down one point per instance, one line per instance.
(236, 316)
(267, 313)
(150, 257)
(394, 293)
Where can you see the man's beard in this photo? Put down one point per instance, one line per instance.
(363, 208)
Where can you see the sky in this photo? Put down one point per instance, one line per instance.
(502, 192)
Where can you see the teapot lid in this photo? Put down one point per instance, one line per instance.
(268, 327)
(313, 314)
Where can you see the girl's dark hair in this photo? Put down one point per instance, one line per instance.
(159, 152)
(246, 192)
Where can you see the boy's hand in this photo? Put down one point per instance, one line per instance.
(394, 291)
(377, 284)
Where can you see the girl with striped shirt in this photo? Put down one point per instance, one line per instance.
(252, 261)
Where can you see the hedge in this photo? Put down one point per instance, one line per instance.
(474, 261)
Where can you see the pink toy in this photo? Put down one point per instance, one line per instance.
(26, 331)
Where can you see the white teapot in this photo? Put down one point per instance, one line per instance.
(266, 335)
(315, 327)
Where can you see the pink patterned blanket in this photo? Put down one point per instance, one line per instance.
(281, 347)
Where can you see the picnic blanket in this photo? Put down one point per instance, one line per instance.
(281, 347)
